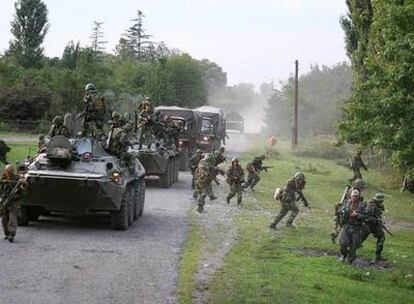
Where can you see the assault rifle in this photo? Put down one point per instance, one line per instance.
(381, 223)
(265, 168)
(303, 199)
(6, 198)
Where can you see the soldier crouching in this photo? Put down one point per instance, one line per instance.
(11, 186)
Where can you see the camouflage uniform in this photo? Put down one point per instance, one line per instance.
(218, 156)
(253, 169)
(41, 144)
(235, 178)
(352, 227)
(374, 224)
(204, 176)
(356, 165)
(4, 149)
(9, 213)
(58, 128)
(194, 161)
(94, 110)
(146, 122)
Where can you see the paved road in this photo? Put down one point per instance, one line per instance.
(80, 260)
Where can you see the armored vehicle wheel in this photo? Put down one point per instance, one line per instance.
(120, 218)
(177, 169)
(172, 171)
(141, 196)
(184, 160)
(136, 200)
(131, 206)
(165, 178)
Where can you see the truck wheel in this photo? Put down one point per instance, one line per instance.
(120, 218)
(141, 196)
(165, 178)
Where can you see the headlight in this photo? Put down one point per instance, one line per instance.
(115, 176)
(205, 138)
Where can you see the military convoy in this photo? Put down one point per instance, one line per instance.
(78, 176)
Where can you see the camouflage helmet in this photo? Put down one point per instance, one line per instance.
(90, 87)
(58, 120)
(379, 197)
(358, 184)
(41, 137)
(299, 176)
(115, 115)
(355, 193)
(235, 159)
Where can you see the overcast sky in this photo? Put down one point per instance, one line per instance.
(253, 40)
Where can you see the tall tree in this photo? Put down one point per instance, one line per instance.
(29, 28)
(97, 44)
(137, 37)
(71, 55)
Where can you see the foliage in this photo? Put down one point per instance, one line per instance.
(322, 92)
(29, 28)
(381, 111)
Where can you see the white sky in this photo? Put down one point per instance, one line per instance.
(253, 40)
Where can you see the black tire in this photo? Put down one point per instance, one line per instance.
(120, 218)
(177, 170)
(165, 178)
(136, 200)
(172, 171)
(23, 216)
(141, 196)
(34, 213)
(131, 207)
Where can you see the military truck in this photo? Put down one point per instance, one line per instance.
(212, 128)
(187, 140)
(234, 122)
(77, 176)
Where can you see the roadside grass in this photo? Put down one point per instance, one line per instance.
(19, 152)
(300, 265)
(189, 262)
(6, 134)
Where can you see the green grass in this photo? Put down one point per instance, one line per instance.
(5, 134)
(20, 150)
(190, 260)
(300, 266)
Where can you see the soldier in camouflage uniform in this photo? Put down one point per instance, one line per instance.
(218, 156)
(117, 120)
(204, 176)
(4, 149)
(356, 165)
(58, 128)
(288, 197)
(374, 224)
(194, 161)
(146, 122)
(41, 144)
(94, 110)
(235, 178)
(118, 141)
(357, 184)
(253, 170)
(352, 217)
(9, 180)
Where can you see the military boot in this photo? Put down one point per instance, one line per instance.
(272, 226)
(200, 209)
(290, 225)
(379, 258)
(333, 237)
(228, 200)
(239, 201)
(11, 238)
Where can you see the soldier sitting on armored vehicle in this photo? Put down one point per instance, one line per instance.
(58, 128)
(117, 121)
(94, 110)
(4, 149)
(118, 140)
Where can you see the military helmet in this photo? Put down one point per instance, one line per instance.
(90, 87)
(41, 137)
(378, 197)
(221, 149)
(57, 120)
(235, 159)
(355, 193)
(299, 175)
(115, 115)
(359, 184)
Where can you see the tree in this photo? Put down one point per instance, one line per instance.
(97, 45)
(29, 27)
(71, 55)
(137, 37)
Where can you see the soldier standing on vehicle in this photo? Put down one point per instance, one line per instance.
(194, 161)
(375, 225)
(58, 128)
(117, 120)
(94, 110)
(146, 122)
(41, 144)
(218, 156)
(357, 184)
(235, 178)
(357, 163)
(11, 186)
(288, 197)
(352, 217)
(253, 170)
(4, 149)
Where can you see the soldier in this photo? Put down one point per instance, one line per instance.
(235, 178)
(218, 156)
(9, 181)
(58, 128)
(253, 170)
(41, 144)
(204, 176)
(194, 161)
(357, 184)
(356, 165)
(352, 216)
(117, 121)
(118, 140)
(146, 122)
(288, 197)
(94, 110)
(4, 149)
(374, 224)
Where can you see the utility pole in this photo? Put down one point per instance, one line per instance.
(295, 126)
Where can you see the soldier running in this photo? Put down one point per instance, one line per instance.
(253, 170)
(357, 163)
(235, 178)
(205, 174)
(288, 197)
(194, 161)
(11, 186)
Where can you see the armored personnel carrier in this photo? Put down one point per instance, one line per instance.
(159, 160)
(78, 176)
